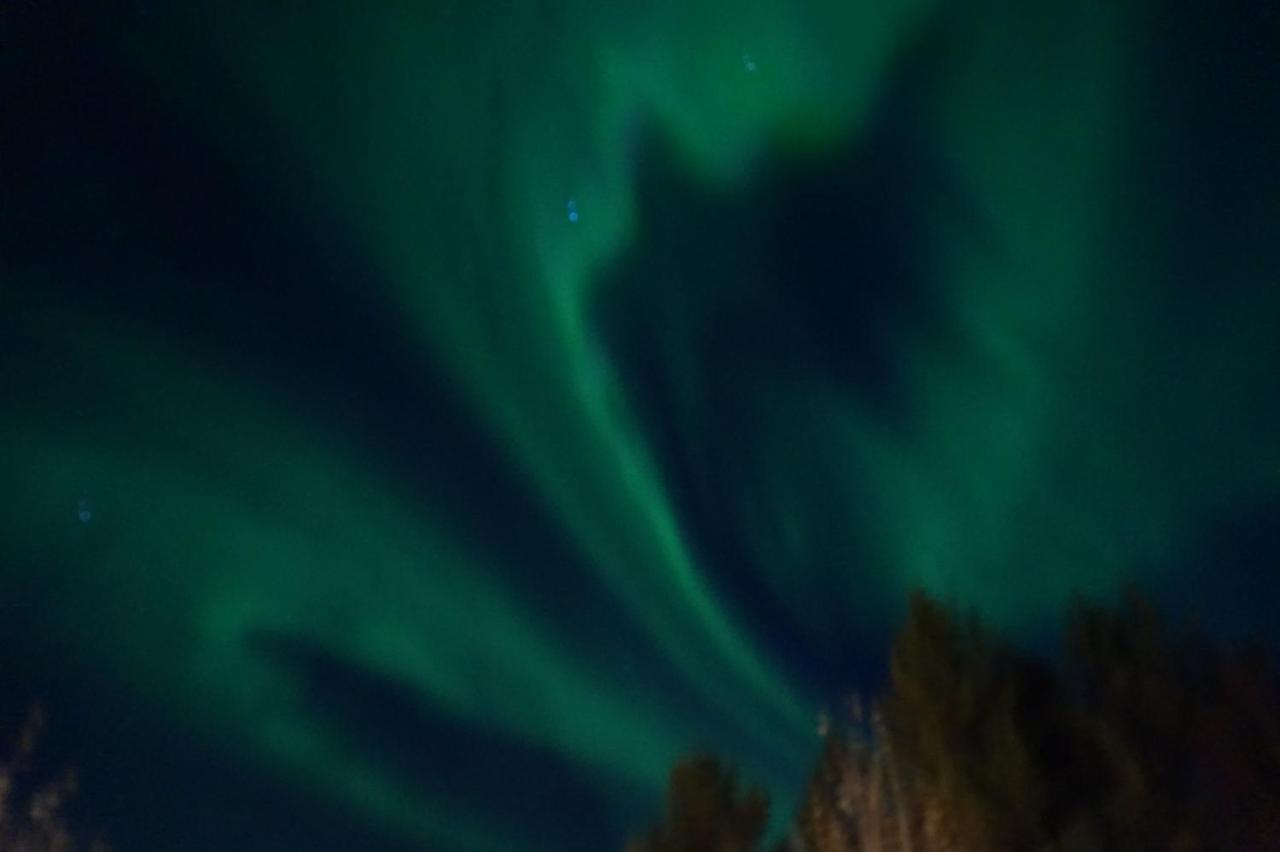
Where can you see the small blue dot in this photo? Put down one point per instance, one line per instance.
(748, 64)
(572, 208)
(84, 510)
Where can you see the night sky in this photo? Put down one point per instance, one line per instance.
(421, 422)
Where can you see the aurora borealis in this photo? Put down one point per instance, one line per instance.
(423, 421)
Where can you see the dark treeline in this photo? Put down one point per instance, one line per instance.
(1139, 739)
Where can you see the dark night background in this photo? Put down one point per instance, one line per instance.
(422, 422)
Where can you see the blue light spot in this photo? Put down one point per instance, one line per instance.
(84, 510)
(572, 210)
(748, 64)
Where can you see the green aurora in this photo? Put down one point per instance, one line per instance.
(560, 377)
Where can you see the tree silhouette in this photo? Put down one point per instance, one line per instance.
(973, 719)
(1182, 740)
(1146, 738)
(706, 812)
